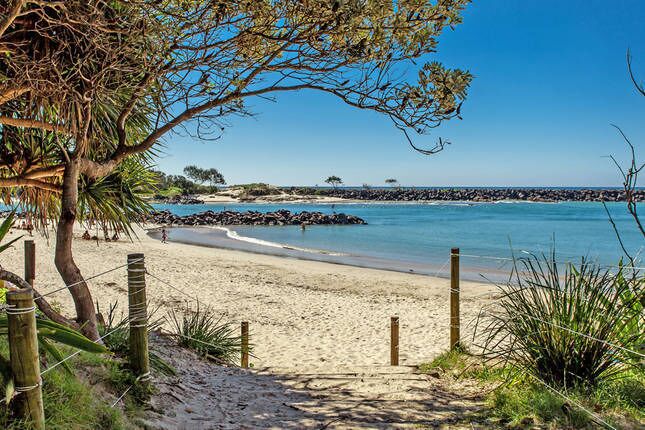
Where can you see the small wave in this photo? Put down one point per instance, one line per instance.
(231, 234)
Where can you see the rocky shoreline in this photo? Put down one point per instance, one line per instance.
(434, 194)
(473, 194)
(280, 217)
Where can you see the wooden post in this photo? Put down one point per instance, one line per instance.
(245, 344)
(23, 355)
(30, 261)
(454, 298)
(394, 341)
(138, 317)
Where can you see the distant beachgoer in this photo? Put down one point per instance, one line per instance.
(86, 235)
(303, 226)
(115, 237)
(164, 236)
(333, 207)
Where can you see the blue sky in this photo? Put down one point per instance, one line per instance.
(550, 78)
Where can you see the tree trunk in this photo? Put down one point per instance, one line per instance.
(64, 260)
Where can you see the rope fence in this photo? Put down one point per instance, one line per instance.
(29, 386)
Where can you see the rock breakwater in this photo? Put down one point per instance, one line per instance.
(473, 194)
(280, 217)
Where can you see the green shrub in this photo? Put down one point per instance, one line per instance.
(62, 395)
(569, 330)
(202, 331)
(118, 340)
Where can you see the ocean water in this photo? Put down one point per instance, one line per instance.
(415, 237)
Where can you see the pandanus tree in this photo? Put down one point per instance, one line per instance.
(86, 87)
(334, 181)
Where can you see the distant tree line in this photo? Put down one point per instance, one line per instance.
(170, 185)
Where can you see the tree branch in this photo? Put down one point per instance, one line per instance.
(12, 94)
(40, 301)
(30, 123)
(21, 182)
(11, 16)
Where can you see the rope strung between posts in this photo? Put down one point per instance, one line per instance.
(66, 287)
(144, 377)
(179, 290)
(577, 404)
(508, 259)
(79, 351)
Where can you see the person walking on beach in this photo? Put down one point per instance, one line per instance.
(164, 236)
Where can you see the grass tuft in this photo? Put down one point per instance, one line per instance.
(201, 330)
(568, 330)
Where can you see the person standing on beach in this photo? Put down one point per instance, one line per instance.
(164, 236)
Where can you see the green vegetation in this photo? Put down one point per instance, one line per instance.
(169, 186)
(334, 181)
(71, 403)
(516, 401)
(391, 181)
(582, 327)
(4, 229)
(201, 330)
(200, 175)
(257, 189)
(118, 341)
(116, 85)
(559, 349)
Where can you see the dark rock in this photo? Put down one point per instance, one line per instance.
(281, 217)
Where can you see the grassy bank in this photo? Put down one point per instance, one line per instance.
(516, 401)
(83, 400)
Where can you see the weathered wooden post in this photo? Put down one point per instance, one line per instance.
(30, 261)
(454, 298)
(138, 317)
(23, 355)
(394, 341)
(245, 344)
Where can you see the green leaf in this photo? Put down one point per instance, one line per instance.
(11, 242)
(6, 225)
(55, 352)
(67, 336)
(4, 229)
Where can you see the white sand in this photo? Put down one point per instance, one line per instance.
(305, 316)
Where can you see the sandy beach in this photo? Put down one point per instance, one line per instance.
(300, 312)
(306, 318)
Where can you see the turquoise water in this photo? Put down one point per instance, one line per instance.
(418, 237)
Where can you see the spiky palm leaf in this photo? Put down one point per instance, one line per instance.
(117, 201)
(4, 229)
(99, 200)
(48, 332)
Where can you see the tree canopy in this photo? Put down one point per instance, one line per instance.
(391, 181)
(89, 87)
(334, 181)
(197, 174)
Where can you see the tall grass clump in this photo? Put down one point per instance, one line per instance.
(575, 329)
(201, 330)
(116, 331)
